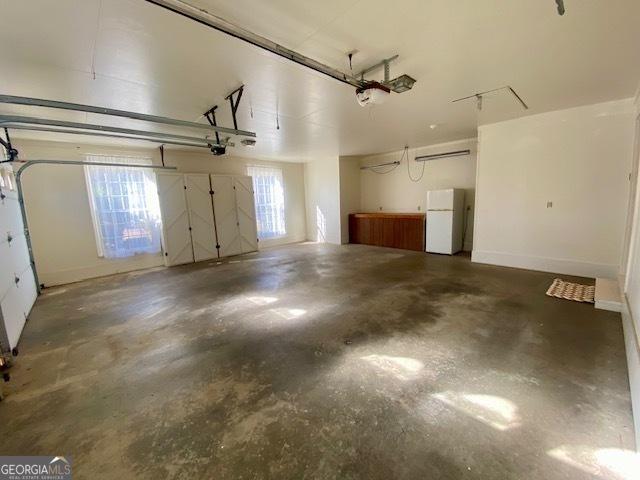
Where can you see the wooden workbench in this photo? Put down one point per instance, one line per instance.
(395, 230)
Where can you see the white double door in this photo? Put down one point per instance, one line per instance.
(205, 216)
(235, 214)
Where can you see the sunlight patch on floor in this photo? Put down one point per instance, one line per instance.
(262, 300)
(403, 368)
(609, 463)
(289, 313)
(497, 412)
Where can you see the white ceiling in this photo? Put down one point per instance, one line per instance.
(149, 60)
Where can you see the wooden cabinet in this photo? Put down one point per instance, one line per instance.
(395, 230)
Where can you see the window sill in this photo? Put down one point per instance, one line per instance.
(130, 258)
(268, 239)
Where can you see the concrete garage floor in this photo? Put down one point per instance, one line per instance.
(321, 361)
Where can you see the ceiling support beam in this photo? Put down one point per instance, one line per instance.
(77, 107)
(205, 18)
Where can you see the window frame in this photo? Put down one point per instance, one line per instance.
(280, 174)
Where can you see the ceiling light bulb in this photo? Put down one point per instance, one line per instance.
(433, 126)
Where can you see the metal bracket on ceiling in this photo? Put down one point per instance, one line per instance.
(399, 84)
(210, 115)
(234, 103)
(12, 153)
(218, 148)
(383, 63)
(480, 96)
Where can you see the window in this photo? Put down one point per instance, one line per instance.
(7, 179)
(124, 206)
(268, 189)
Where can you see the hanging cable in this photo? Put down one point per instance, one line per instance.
(95, 42)
(415, 180)
(389, 170)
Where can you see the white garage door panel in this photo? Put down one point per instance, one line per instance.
(10, 218)
(19, 254)
(224, 203)
(176, 238)
(6, 269)
(27, 288)
(13, 317)
(16, 300)
(203, 229)
(13, 313)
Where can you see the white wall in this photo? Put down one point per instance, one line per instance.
(60, 218)
(349, 193)
(631, 287)
(395, 192)
(17, 285)
(322, 190)
(579, 159)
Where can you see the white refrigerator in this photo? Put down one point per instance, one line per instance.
(445, 221)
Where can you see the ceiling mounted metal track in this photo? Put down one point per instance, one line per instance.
(164, 141)
(9, 121)
(77, 107)
(205, 18)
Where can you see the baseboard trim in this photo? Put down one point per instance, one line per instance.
(543, 264)
(104, 268)
(632, 347)
(274, 242)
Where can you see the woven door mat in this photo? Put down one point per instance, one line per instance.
(572, 291)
